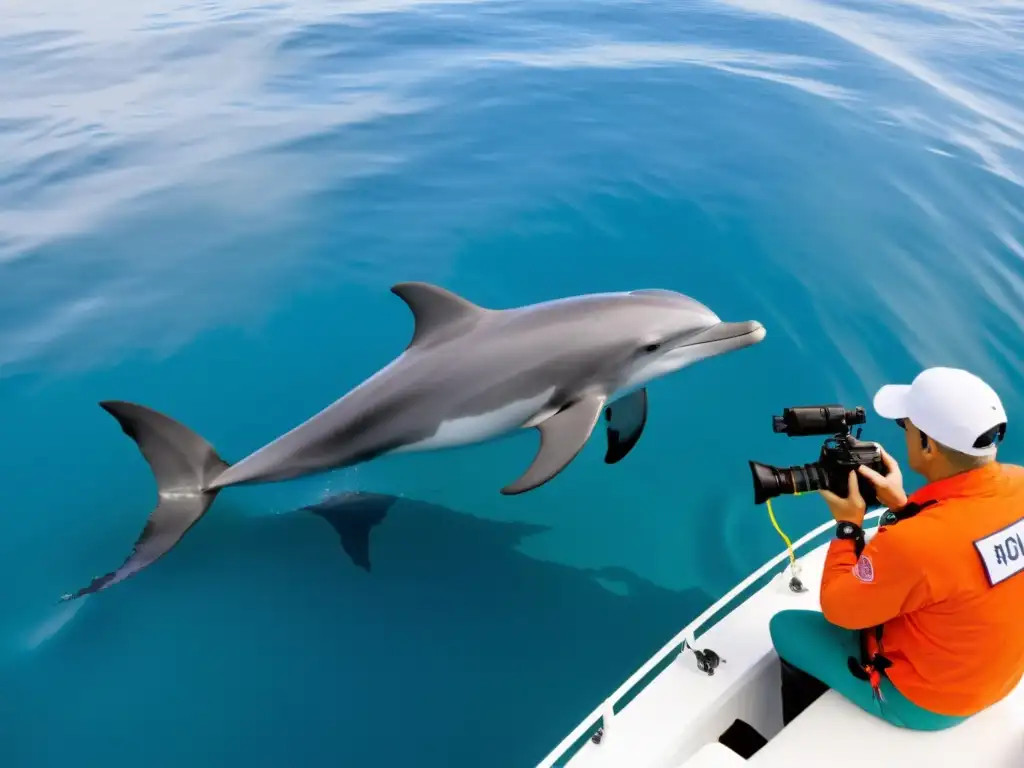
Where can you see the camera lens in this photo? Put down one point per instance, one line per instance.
(770, 481)
(856, 416)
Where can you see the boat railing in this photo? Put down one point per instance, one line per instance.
(599, 721)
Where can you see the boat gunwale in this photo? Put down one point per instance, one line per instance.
(571, 744)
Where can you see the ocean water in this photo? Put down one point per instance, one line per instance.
(202, 208)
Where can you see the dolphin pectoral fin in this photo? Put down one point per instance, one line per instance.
(626, 418)
(436, 311)
(561, 438)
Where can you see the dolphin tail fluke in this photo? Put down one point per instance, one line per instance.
(183, 464)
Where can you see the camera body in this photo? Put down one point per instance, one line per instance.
(840, 454)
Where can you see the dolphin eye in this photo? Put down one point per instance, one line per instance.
(652, 347)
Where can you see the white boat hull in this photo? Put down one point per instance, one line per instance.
(675, 720)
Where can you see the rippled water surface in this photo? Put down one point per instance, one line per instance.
(202, 208)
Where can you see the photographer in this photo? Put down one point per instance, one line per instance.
(924, 625)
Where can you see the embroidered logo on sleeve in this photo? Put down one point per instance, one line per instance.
(864, 570)
(1002, 553)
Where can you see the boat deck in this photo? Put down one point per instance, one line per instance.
(675, 721)
(835, 733)
(683, 708)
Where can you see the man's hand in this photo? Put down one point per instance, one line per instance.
(850, 509)
(889, 488)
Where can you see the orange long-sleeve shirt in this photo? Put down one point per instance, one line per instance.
(947, 586)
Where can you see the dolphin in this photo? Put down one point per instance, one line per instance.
(469, 374)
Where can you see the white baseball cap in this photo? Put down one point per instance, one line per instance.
(952, 406)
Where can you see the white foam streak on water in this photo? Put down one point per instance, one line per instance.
(117, 106)
(951, 73)
(48, 628)
(618, 55)
(102, 130)
(87, 102)
(931, 50)
(111, 21)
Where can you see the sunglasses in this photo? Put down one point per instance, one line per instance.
(994, 435)
(902, 424)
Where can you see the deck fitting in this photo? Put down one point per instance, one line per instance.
(707, 660)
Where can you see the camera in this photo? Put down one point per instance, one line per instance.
(840, 453)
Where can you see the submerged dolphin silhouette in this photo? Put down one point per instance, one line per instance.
(469, 374)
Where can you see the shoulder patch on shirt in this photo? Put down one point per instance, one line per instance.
(863, 570)
(1002, 553)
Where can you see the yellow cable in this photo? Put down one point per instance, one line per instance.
(785, 538)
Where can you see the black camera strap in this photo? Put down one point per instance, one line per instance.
(871, 667)
(893, 516)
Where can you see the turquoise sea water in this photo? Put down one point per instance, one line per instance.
(202, 207)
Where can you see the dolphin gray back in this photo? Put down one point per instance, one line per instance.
(463, 361)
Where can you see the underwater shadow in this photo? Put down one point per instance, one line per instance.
(366, 630)
(510, 652)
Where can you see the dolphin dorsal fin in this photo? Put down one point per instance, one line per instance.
(436, 311)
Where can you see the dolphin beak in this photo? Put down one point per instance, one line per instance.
(729, 336)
